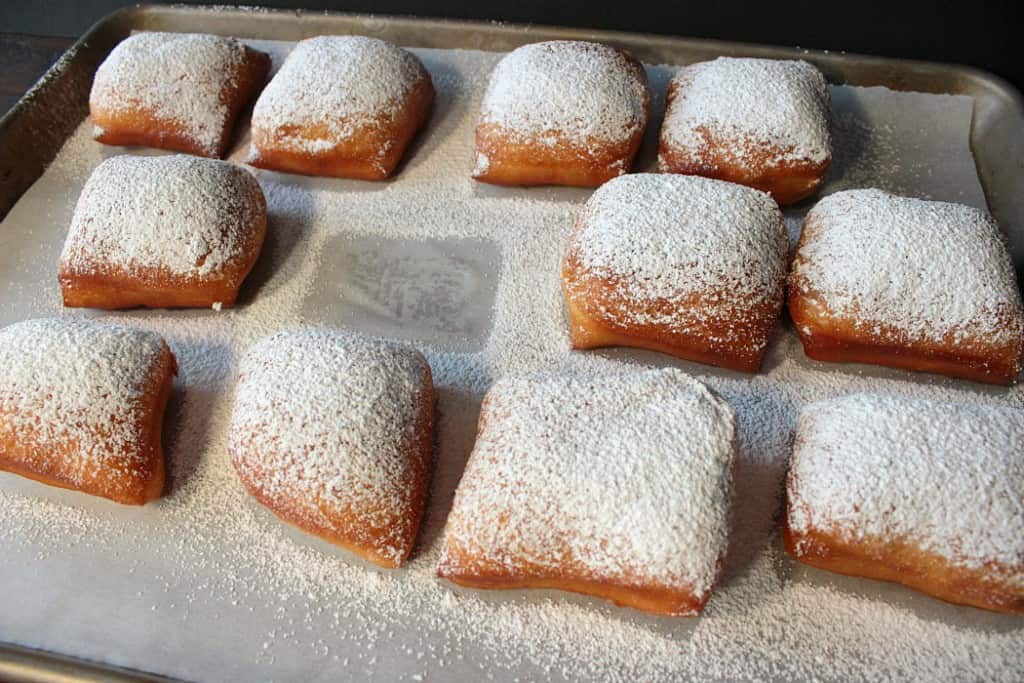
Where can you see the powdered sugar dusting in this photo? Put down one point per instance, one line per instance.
(325, 421)
(764, 103)
(929, 270)
(948, 478)
(666, 238)
(577, 90)
(207, 571)
(628, 477)
(66, 382)
(343, 83)
(187, 216)
(179, 77)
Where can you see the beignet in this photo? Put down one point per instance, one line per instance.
(176, 91)
(923, 493)
(907, 283)
(344, 106)
(684, 265)
(82, 406)
(616, 486)
(562, 113)
(164, 231)
(333, 434)
(757, 122)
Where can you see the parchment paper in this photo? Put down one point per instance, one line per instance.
(185, 588)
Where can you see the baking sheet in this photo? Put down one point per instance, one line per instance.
(205, 585)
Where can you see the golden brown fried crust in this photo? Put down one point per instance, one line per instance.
(829, 336)
(786, 181)
(132, 477)
(837, 339)
(462, 567)
(349, 528)
(465, 571)
(99, 285)
(598, 318)
(518, 162)
(145, 128)
(372, 152)
(902, 562)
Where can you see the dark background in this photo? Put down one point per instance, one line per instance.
(983, 34)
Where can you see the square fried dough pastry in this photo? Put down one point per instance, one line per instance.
(176, 91)
(757, 122)
(82, 406)
(687, 266)
(616, 486)
(342, 106)
(562, 113)
(907, 283)
(333, 434)
(162, 232)
(922, 493)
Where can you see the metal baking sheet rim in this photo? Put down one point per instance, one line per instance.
(34, 130)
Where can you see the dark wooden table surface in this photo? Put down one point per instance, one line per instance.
(25, 59)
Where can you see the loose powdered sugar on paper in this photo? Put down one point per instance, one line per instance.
(206, 585)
